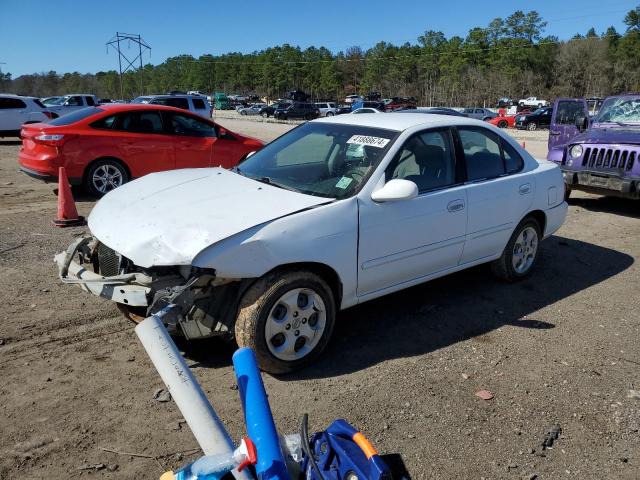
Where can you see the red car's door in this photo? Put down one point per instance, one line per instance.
(194, 139)
(228, 150)
(142, 142)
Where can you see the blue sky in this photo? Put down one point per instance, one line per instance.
(65, 35)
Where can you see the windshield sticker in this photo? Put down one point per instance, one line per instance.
(377, 142)
(344, 182)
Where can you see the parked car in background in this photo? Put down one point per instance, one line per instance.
(46, 101)
(327, 109)
(269, 110)
(504, 102)
(221, 101)
(342, 109)
(104, 147)
(601, 155)
(504, 121)
(237, 98)
(540, 118)
(399, 103)
(297, 110)
(332, 214)
(378, 105)
(534, 102)
(254, 109)
(479, 113)
(434, 111)
(194, 103)
(73, 102)
(142, 99)
(353, 98)
(17, 110)
(367, 110)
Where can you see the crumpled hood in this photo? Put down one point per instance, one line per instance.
(614, 135)
(167, 218)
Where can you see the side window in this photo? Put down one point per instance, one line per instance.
(90, 101)
(126, 122)
(7, 103)
(105, 123)
(182, 103)
(427, 159)
(149, 122)
(191, 127)
(512, 159)
(568, 112)
(75, 101)
(198, 104)
(482, 154)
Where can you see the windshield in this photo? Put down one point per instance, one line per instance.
(141, 100)
(619, 110)
(539, 111)
(321, 159)
(54, 101)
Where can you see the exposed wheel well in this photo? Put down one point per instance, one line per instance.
(540, 217)
(327, 273)
(117, 160)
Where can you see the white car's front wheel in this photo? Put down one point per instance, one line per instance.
(287, 318)
(521, 253)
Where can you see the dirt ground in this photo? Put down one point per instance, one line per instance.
(559, 348)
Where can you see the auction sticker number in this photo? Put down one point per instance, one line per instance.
(377, 142)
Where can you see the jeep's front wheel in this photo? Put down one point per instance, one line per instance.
(287, 318)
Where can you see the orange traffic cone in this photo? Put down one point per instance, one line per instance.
(67, 212)
(524, 145)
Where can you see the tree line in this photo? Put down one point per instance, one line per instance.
(509, 57)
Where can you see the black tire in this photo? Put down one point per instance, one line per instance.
(329, 114)
(503, 124)
(503, 266)
(264, 115)
(256, 306)
(242, 112)
(567, 192)
(307, 116)
(532, 126)
(521, 104)
(92, 187)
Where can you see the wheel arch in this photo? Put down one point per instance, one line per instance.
(540, 217)
(324, 271)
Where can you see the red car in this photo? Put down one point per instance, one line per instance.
(504, 122)
(103, 147)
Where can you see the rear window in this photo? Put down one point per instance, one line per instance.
(6, 103)
(198, 104)
(172, 102)
(90, 101)
(76, 116)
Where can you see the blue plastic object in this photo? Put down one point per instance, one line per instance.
(343, 453)
(258, 418)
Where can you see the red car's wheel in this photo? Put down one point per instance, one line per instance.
(104, 176)
(503, 124)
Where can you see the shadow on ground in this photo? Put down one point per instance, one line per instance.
(428, 317)
(614, 205)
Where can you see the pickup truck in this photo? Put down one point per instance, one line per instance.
(532, 102)
(71, 103)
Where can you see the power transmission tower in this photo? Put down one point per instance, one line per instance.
(115, 43)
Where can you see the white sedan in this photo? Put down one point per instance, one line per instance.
(336, 212)
(366, 110)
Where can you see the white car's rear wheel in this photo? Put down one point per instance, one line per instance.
(521, 253)
(287, 319)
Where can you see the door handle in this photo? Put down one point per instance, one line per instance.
(554, 133)
(524, 188)
(455, 206)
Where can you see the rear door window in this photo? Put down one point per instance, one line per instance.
(105, 123)
(482, 153)
(90, 101)
(198, 104)
(182, 103)
(139, 122)
(75, 101)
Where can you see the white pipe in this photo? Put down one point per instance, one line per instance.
(184, 388)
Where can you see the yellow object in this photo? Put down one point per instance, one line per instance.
(168, 476)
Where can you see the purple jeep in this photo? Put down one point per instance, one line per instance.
(602, 154)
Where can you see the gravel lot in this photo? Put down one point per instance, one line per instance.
(559, 348)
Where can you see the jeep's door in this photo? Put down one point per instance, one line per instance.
(566, 112)
(409, 240)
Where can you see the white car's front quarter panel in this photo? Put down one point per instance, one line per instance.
(326, 235)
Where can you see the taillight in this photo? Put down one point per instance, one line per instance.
(55, 140)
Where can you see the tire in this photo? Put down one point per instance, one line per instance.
(264, 115)
(531, 126)
(567, 192)
(242, 112)
(307, 116)
(504, 267)
(266, 319)
(329, 114)
(104, 168)
(503, 124)
(521, 104)
(539, 105)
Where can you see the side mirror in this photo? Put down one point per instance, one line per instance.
(395, 190)
(581, 123)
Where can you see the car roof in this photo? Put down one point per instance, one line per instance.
(82, 94)
(400, 121)
(126, 107)
(13, 95)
